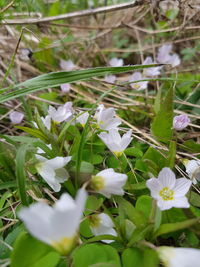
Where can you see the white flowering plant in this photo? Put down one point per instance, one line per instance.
(99, 151)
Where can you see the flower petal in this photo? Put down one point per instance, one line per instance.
(154, 186)
(37, 219)
(167, 178)
(181, 202)
(181, 187)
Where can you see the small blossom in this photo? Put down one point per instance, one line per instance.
(110, 78)
(116, 62)
(108, 182)
(106, 118)
(67, 65)
(179, 257)
(150, 72)
(57, 225)
(180, 122)
(169, 191)
(52, 170)
(136, 76)
(115, 142)
(168, 5)
(65, 88)
(63, 113)
(82, 119)
(101, 224)
(193, 169)
(46, 121)
(166, 57)
(16, 117)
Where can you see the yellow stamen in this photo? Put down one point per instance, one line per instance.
(65, 245)
(94, 220)
(97, 183)
(118, 153)
(167, 194)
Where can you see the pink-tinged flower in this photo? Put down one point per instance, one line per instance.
(63, 113)
(110, 78)
(168, 191)
(166, 57)
(67, 65)
(193, 169)
(65, 88)
(180, 122)
(116, 62)
(150, 72)
(16, 117)
(106, 118)
(136, 76)
(82, 118)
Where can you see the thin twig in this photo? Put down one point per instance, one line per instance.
(76, 14)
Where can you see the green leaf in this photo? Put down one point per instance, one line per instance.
(144, 204)
(29, 252)
(133, 214)
(93, 203)
(55, 79)
(132, 257)
(157, 102)
(34, 132)
(134, 151)
(191, 145)
(170, 160)
(20, 172)
(150, 258)
(195, 199)
(162, 123)
(96, 255)
(154, 160)
(173, 227)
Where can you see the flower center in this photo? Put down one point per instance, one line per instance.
(97, 183)
(167, 194)
(94, 221)
(118, 153)
(64, 245)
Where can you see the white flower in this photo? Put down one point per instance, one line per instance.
(149, 72)
(108, 182)
(41, 151)
(52, 170)
(16, 117)
(116, 62)
(46, 121)
(67, 65)
(193, 169)
(165, 57)
(63, 113)
(136, 76)
(57, 225)
(179, 257)
(110, 78)
(101, 224)
(180, 122)
(169, 191)
(169, 5)
(115, 142)
(82, 119)
(65, 87)
(106, 118)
